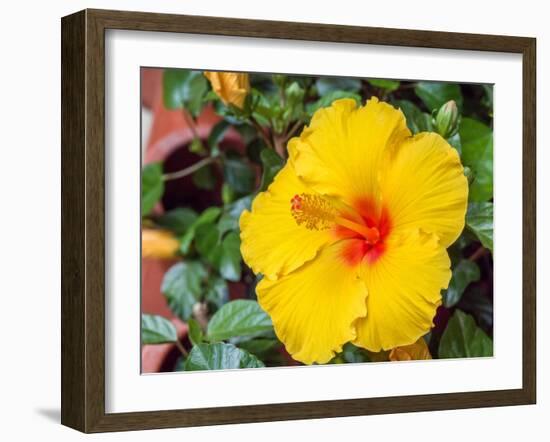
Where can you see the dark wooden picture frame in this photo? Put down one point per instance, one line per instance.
(83, 220)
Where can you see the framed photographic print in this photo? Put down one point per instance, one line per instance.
(268, 220)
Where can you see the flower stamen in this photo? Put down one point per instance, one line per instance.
(317, 213)
(314, 211)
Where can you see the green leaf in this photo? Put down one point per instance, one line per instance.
(157, 330)
(417, 121)
(178, 220)
(247, 132)
(464, 273)
(469, 174)
(327, 85)
(266, 82)
(180, 364)
(455, 251)
(230, 113)
(152, 187)
(195, 333)
(228, 194)
(254, 149)
(218, 133)
(488, 98)
(241, 317)
(216, 291)
(224, 254)
(230, 260)
(260, 347)
(220, 356)
(229, 219)
(477, 153)
(464, 339)
(434, 94)
(262, 109)
(207, 239)
(272, 164)
(477, 302)
(353, 354)
(326, 100)
(455, 142)
(294, 108)
(184, 89)
(238, 175)
(304, 81)
(208, 216)
(479, 220)
(204, 178)
(388, 85)
(182, 287)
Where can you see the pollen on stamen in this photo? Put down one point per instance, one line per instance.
(312, 211)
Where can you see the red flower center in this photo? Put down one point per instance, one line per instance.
(365, 224)
(370, 246)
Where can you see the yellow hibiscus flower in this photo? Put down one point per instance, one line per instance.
(351, 236)
(231, 87)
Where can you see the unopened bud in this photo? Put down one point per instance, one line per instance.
(447, 119)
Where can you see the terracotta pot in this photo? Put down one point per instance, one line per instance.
(152, 272)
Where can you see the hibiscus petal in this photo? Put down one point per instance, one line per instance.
(271, 241)
(313, 309)
(424, 186)
(404, 286)
(341, 151)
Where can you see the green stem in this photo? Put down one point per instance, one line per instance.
(293, 130)
(181, 348)
(191, 123)
(279, 144)
(261, 132)
(188, 170)
(200, 313)
(477, 254)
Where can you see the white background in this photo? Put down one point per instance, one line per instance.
(30, 183)
(128, 391)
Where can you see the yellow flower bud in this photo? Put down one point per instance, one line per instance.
(231, 87)
(417, 351)
(156, 243)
